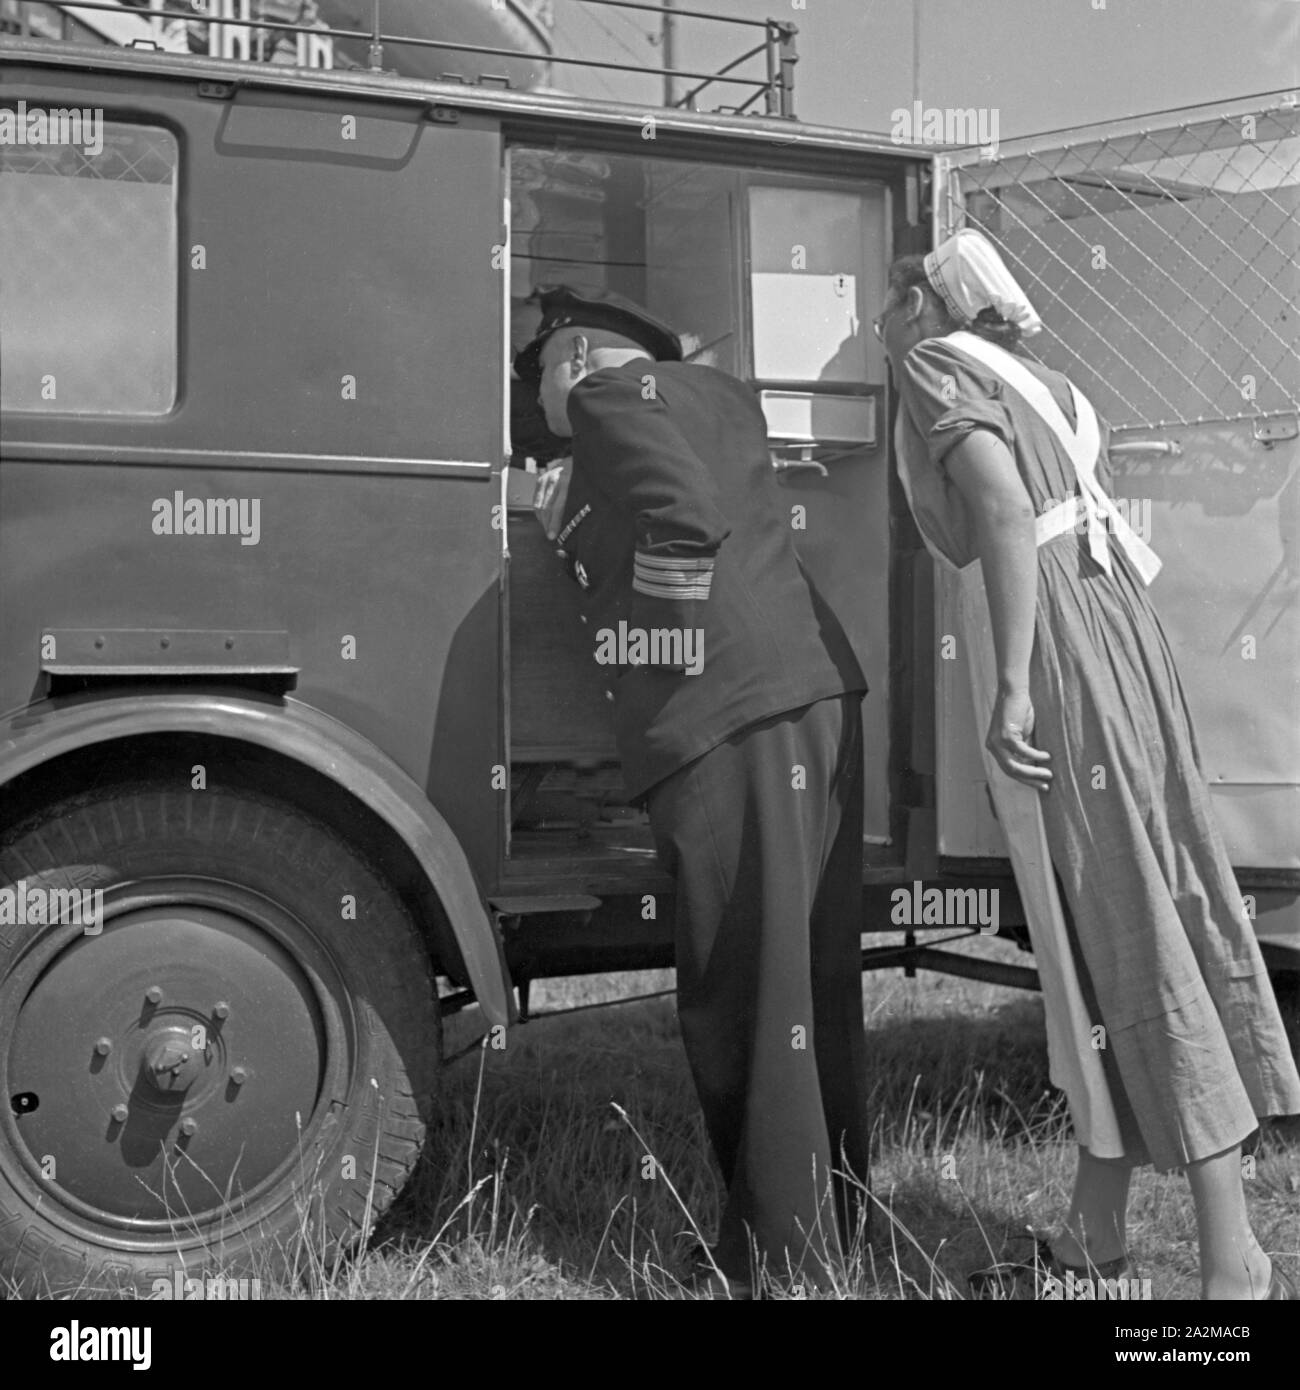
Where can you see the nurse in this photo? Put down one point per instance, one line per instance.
(1134, 914)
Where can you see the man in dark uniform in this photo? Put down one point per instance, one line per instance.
(743, 739)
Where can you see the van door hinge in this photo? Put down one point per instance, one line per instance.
(217, 91)
(444, 115)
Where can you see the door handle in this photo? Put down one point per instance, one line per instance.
(789, 465)
(1171, 447)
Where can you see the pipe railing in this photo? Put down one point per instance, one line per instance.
(778, 45)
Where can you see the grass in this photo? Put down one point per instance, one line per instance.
(534, 1183)
(533, 1186)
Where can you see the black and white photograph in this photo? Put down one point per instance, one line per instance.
(650, 652)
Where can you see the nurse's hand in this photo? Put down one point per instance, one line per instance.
(1008, 741)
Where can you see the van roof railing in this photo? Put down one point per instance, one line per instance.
(778, 46)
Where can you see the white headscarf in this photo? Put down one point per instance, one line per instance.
(968, 275)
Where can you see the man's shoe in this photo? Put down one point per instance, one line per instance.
(711, 1284)
(704, 1279)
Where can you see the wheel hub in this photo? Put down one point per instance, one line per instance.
(172, 1061)
(175, 1060)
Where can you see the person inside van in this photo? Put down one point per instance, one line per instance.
(1162, 1026)
(748, 759)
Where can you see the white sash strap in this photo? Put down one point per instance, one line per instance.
(1083, 446)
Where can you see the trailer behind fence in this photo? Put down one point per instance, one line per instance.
(1161, 255)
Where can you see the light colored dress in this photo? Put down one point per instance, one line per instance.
(1149, 937)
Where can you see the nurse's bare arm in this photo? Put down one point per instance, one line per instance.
(1002, 514)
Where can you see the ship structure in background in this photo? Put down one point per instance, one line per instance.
(522, 26)
(179, 26)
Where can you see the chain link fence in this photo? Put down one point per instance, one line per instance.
(1164, 260)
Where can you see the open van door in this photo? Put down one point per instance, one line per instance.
(771, 273)
(1161, 253)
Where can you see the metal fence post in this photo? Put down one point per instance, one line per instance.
(789, 57)
(375, 54)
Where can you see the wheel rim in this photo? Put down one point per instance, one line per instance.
(182, 1061)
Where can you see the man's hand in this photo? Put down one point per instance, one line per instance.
(1009, 732)
(551, 494)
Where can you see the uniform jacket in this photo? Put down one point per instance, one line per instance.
(675, 522)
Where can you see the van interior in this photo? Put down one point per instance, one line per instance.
(774, 279)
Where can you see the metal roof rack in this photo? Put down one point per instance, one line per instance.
(777, 46)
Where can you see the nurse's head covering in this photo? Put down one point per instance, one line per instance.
(968, 275)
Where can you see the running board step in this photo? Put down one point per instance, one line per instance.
(529, 906)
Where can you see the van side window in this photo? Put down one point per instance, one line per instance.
(88, 255)
(766, 277)
(659, 231)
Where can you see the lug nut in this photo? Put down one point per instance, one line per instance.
(119, 1113)
(104, 1046)
(153, 994)
(238, 1075)
(221, 1009)
(189, 1125)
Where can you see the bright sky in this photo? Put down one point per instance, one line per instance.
(1042, 64)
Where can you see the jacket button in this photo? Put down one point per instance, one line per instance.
(584, 617)
(609, 694)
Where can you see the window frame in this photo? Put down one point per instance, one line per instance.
(118, 116)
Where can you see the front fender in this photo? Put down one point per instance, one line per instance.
(51, 728)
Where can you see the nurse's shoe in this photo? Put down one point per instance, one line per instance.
(1029, 1277)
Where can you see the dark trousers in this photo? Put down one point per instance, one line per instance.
(763, 835)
